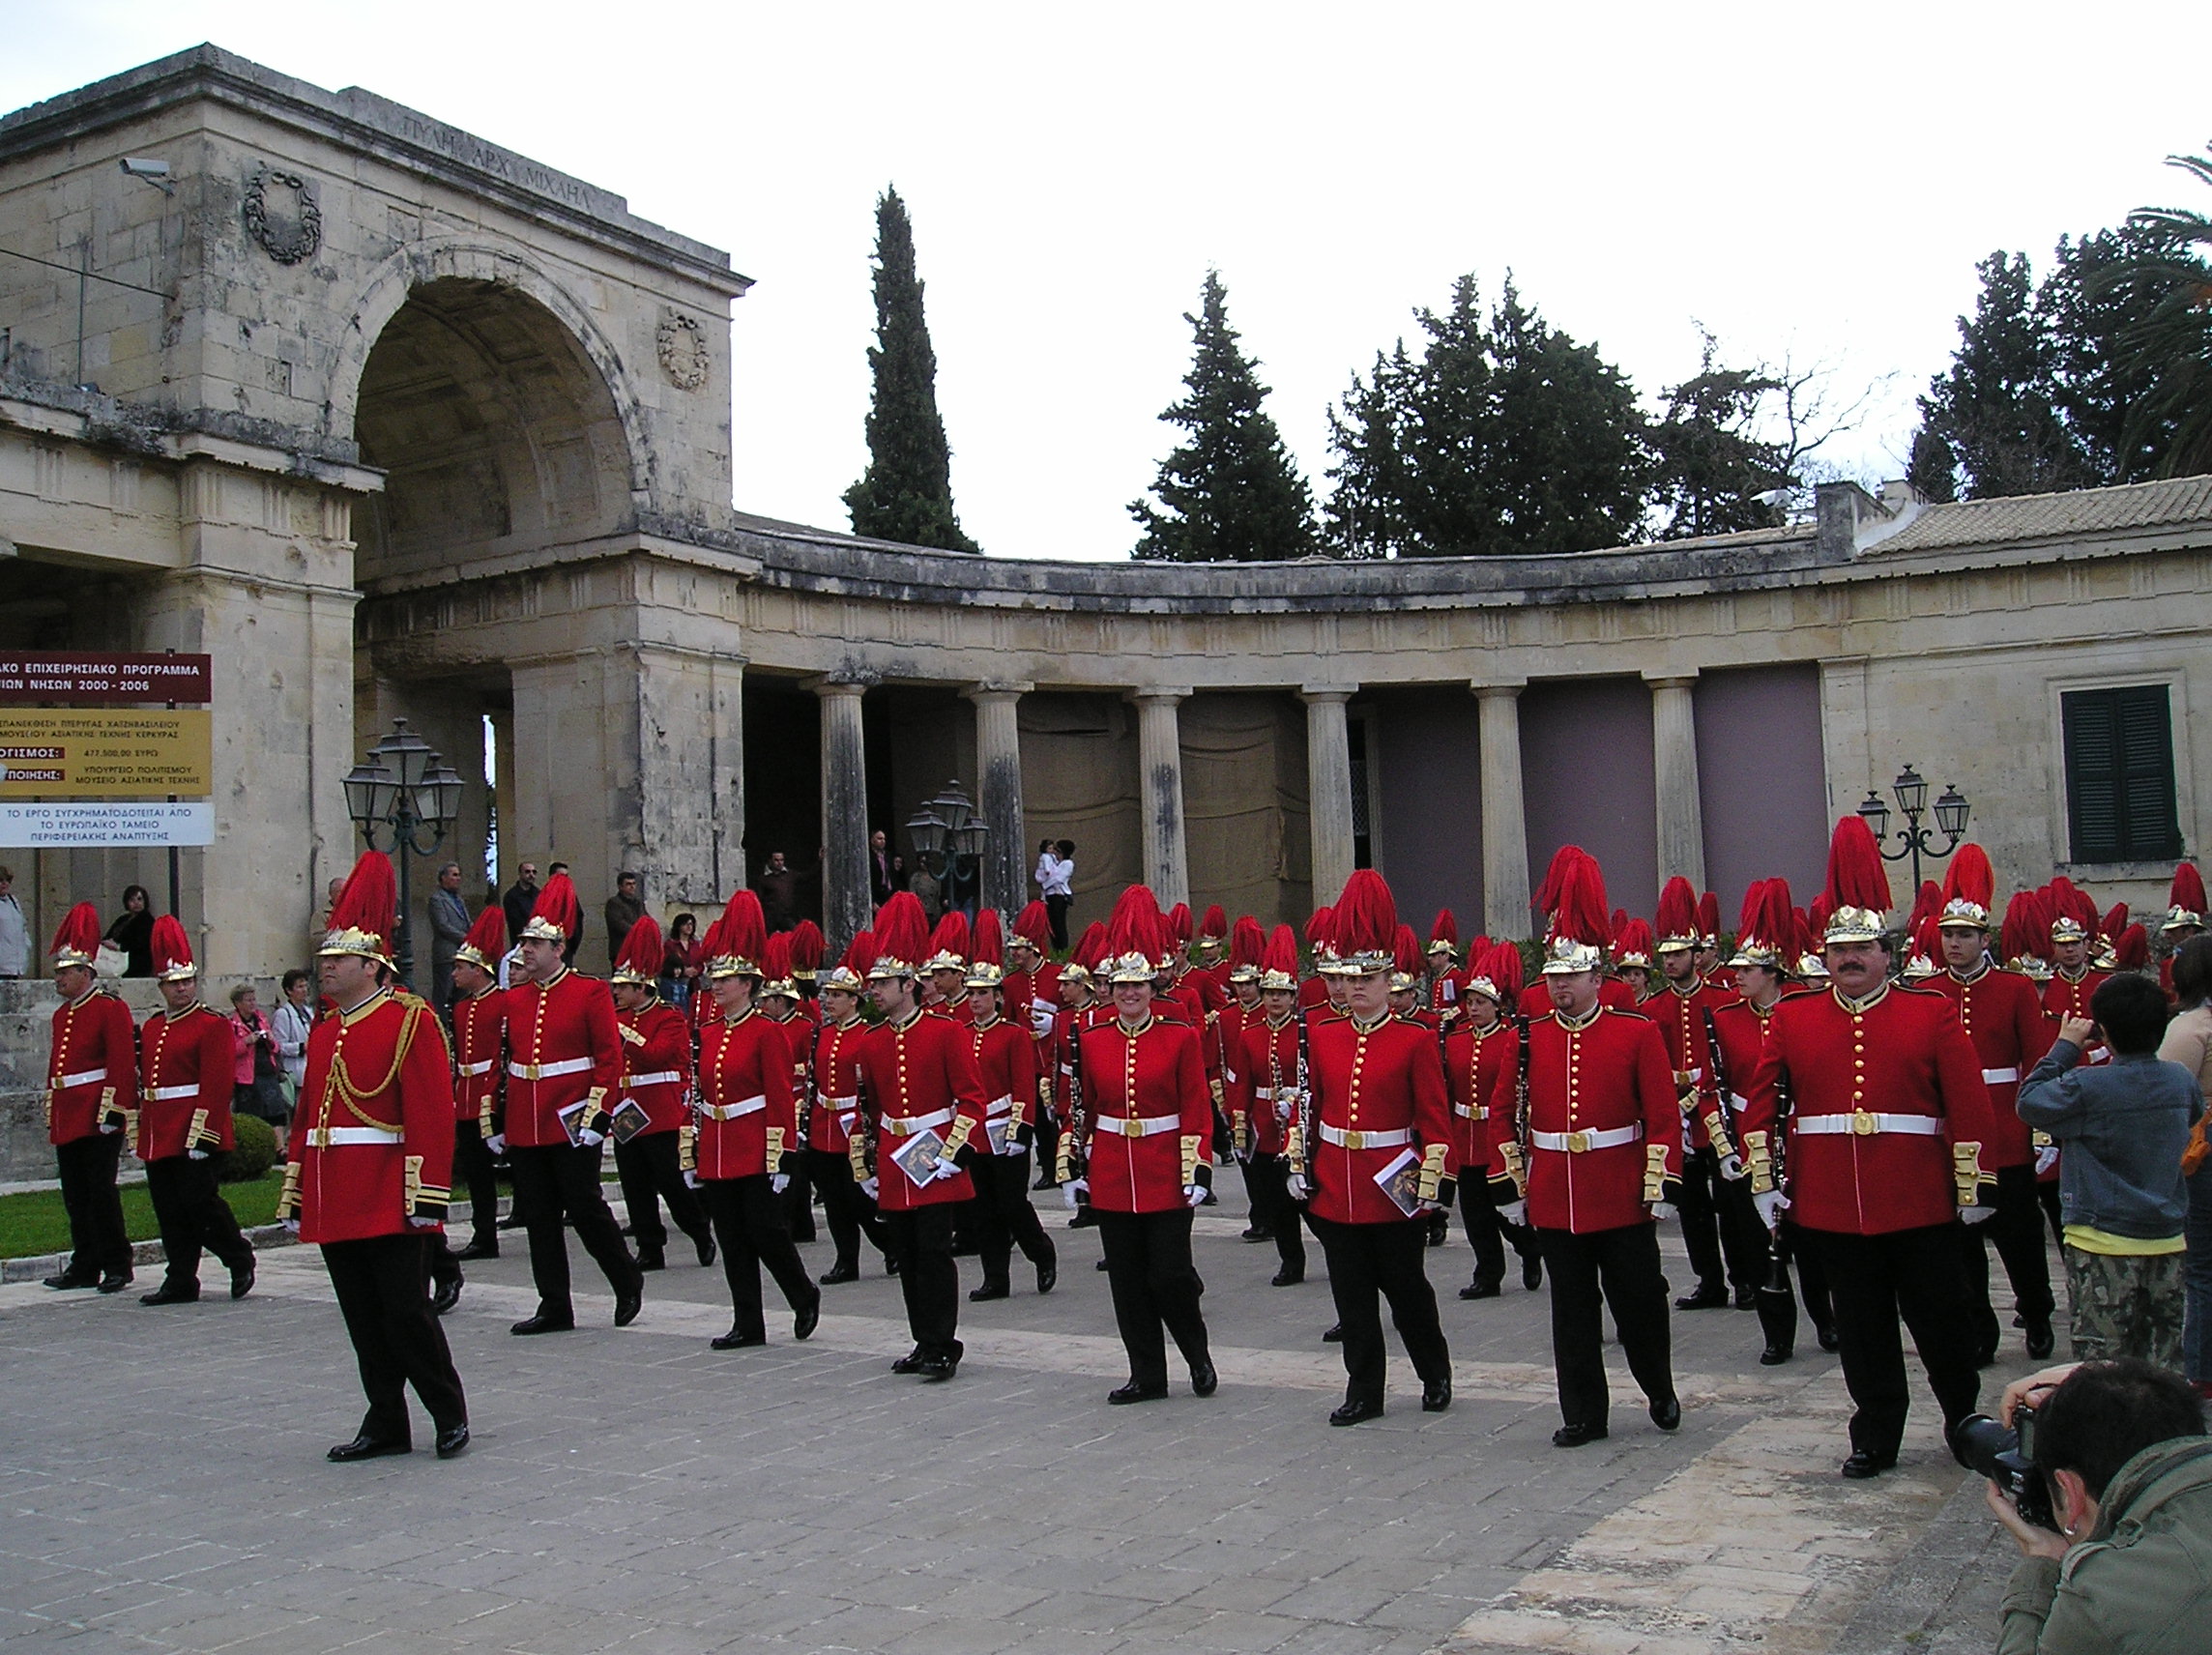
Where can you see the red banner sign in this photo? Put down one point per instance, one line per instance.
(27, 678)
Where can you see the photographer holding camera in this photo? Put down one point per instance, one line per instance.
(2126, 1568)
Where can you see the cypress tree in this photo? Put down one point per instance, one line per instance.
(1230, 492)
(906, 493)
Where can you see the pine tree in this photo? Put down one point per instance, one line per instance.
(906, 493)
(1932, 470)
(1712, 466)
(1230, 492)
(1996, 407)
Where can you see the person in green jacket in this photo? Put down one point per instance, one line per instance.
(2122, 1448)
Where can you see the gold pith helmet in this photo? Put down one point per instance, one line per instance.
(644, 951)
(983, 975)
(486, 945)
(1858, 891)
(77, 941)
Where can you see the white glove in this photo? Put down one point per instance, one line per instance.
(195, 1154)
(496, 1143)
(1195, 1194)
(1731, 1167)
(944, 1167)
(1296, 1187)
(1976, 1215)
(1514, 1212)
(1770, 1204)
(1660, 1212)
(691, 1181)
(779, 1181)
(414, 1223)
(109, 1126)
(291, 1227)
(1073, 1191)
(868, 1188)
(2046, 1158)
(587, 1139)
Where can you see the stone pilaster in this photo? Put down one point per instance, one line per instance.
(1675, 766)
(999, 790)
(847, 905)
(1504, 816)
(1328, 788)
(1159, 764)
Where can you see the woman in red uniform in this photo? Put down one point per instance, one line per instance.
(1006, 1055)
(1269, 1086)
(657, 1077)
(1481, 1047)
(835, 1118)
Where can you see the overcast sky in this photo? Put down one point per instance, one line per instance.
(1811, 180)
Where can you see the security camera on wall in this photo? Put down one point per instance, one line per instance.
(153, 172)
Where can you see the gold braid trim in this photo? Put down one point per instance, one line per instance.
(1516, 1166)
(687, 1147)
(288, 1197)
(774, 1147)
(353, 1095)
(1654, 1172)
(1189, 1143)
(1967, 1172)
(1240, 1131)
(1759, 1161)
(1717, 1130)
(1294, 1144)
(1432, 1171)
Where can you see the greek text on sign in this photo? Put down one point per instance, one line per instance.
(103, 752)
(189, 823)
(114, 681)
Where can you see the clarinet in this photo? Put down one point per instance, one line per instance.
(1720, 1083)
(1075, 1135)
(1516, 1151)
(1784, 1111)
(1308, 1113)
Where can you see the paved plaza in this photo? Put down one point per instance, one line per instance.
(163, 1485)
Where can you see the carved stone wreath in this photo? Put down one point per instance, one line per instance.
(683, 351)
(286, 243)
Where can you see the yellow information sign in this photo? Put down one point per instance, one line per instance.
(105, 752)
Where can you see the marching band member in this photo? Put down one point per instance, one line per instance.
(1481, 1046)
(92, 1102)
(480, 1075)
(834, 1120)
(650, 1110)
(1268, 1093)
(1005, 1056)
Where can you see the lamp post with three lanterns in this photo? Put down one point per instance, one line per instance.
(1915, 838)
(405, 789)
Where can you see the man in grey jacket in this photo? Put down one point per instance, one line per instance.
(448, 929)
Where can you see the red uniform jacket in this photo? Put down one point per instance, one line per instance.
(562, 1048)
(1681, 1019)
(2002, 1015)
(372, 1137)
(1150, 1110)
(1872, 1070)
(1264, 1094)
(1005, 1057)
(920, 1077)
(1380, 1082)
(1743, 1042)
(1611, 993)
(1473, 1063)
(1444, 989)
(92, 1066)
(744, 1094)
(2062, 1000)
(185, 1063)
(479, 1034)
(656, 1064)
(1606, 1087)
(837, 1112)
(799, 1032)
(1229, 1033)
(1312, 992)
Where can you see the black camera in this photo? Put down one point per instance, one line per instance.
(2007, 1458)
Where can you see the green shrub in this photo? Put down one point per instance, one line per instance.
(253, 1151)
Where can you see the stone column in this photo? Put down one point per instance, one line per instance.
(847, 905)
(1504, 819)
(1328, 788)
(1674, 764)
(1166, 866)
(999, 786)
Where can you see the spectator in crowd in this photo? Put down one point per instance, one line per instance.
(295, 1021)
(576, 940)
(14, 930)
(2189, 1042)
(256, 1085)
(520, 898)
(2120, 1447)
(448, 929)
(1056, 883)
(680, 963)
(625, 909)
(133, 931)
(2121, 1128)
(778, 886)
(883, 868)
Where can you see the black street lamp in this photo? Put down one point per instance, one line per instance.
(948, 835)
(1910, 791)
(403, 787)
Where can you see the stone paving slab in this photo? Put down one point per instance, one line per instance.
(162, 1485)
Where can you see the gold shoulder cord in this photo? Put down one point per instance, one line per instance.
(341, 1079)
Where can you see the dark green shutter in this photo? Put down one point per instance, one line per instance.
(2120, 774)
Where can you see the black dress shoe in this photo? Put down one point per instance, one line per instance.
(1352, 1412)
(890, 1266)
(513, 1221)
(241, 1279)
(1256, 1232)
(483, 1247)
(1865, 1462)
(1774, 1356)
(1204, 1380)
(1135, 1392)
(908, 1363)
(1044, 1182)
(172, 1293)
(936, 1370)
(115, 1281)
(806, 1318)
(1985, 1356)
(543, 1324)
(369, 1448)
(1435, 1396)
(1705, 1298)
(2041, 1338)
(1101, 1264)
(1827, 1334)
(1334, 1336)
(651, 1259)
(1747, 1298)
(1479, 1290)
(735, 1341)
(1084, 1219)
(1667, 1413)
(1533, 1272)
(1575, 1436)
(629, 1302)
(453, 1441)
(69, 1280)
(1048, 1275)
(840, 1274)
(445, 1295)
(704, 1246)
(1289, 1276)
(991, 1290)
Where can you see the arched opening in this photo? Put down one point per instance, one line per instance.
(495, 431)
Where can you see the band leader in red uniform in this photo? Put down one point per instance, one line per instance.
(91, 1101)
(657, 1079)
(371, 1162)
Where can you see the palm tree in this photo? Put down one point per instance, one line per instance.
(2174, 343)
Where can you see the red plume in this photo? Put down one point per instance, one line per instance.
(172, 949)
(1634, 937)
(1503, 966)
(2131, 951)
(775, 957)
(1247, 943)
(1970, 879)
(1928, 937)
(807, 947)
(369, 900)
(1856, 878)
(1089, 947)
(1710, 914)
(79, 938)
(1817, 918)
(1677, 918)
(1408, 952)
(859, 953)
(1178, 926)
(988, 946)
(487, 937)
(1446, 929)
(1281, 954)
(557, 907)
(1321, 926)
(1366, 916)
(1033, 926)
(2025, 933)
(2116, 921)
(644, 950)
(744, 929)
(1547, 900)
(1214, 922)
(1929, 900)
(1136, 926)
(1579, 914)
(902, 930)
(950, 936)
(2187, 892)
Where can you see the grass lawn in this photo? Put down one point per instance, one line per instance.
(35, 1224)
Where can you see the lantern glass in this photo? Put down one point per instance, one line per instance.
(928, 831)
(1912, 792)
(1951, 809)
(972, 832)
(361, 791)
(406, 754)
(1875, 815)
(446, 783)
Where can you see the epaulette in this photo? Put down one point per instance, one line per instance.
(1639, 1015)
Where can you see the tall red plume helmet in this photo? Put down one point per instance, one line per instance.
(2131, 949)
(1925, 957)
(2115, 922)
(486, 941)
(1634, 946)
(2183, 899)
(1089, 950)
(1179, 928)
(1929, 899)
(902, 936)
(1580, 924)
(362, 917)
(743, 940)
(988, 946)
(1709, 919)
(1279, 961)
(1248, 948)
(1407, 960)
(1676, 923)
(808, 946)
(1321, 926)
(1444, 935)
(1857, 893)
(776, 965)
(2074, 916)
(555, 917)
(949, 944)
(849, 974)
(2024, 939)
(172, 950)
(1547, 899)
(1033, 926)
(1136, 936)
(711, 940)
(1366, 924)
(1970, 888)
(76, 941)
(1213, 924)
(643, 950)
(1767, 932)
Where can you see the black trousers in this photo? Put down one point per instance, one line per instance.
(2015, 1231)
(748, 1221)
(1487, 1233)
(473, 1172)
(1003, 1218)
(1812, 1275)
(1155, 1286)
(556, 1181)
(921, 1238)
(1920, 1275)
(98, 1245)
(650, 1174)
(1720, 1227)
(1266, 1182)
(1616, 1270)
(849, 1213)
(194, 1215)
(1056, 911)
(1386, 1259)
(1047, 1146)
(797, 1200)
(2047, 1197)
(395, 1338)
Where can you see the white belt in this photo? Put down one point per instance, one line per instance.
(483, 1068)
(842, 1103)
(1999, 1077)
(325, 1137)
(732, 1111)
(546, 1071)
(1466, 1113)
(1138, 1125)
(907, 1125)
(83, 1077)
(1738, 1102)
(1690, 1077)
(659, 1077)
(1581, 1143)
(1865, 1123)
(1001, 1105)
(1366, 1140)
(167, 1094)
